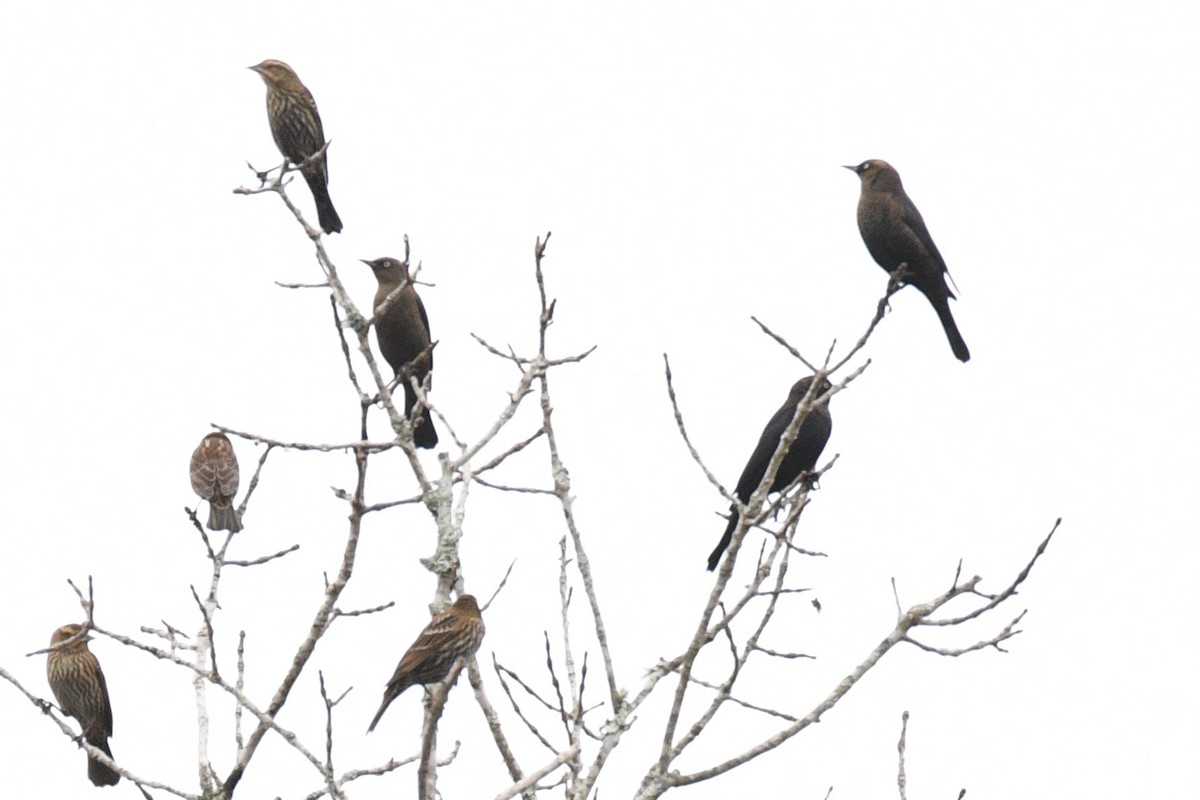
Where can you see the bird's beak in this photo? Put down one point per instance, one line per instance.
(255, 68)
(368, 263)
(852, 169)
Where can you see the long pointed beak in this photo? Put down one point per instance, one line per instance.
(852, 169)
(255, 68)
(368, 263)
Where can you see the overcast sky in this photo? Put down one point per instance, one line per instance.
(687, 157)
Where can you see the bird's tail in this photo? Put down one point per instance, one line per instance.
(388, 697)
(326, 213)
(424, 435)
(99, 774)
(715, 557)
(222, 516)
(942, 307)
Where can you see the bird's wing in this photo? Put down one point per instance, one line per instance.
(425, 322)
(756, 467)
(226, 469)
(920, 234)
(108, 719)
(438, 634)
(204, 477)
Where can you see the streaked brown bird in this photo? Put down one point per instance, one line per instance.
(296, 126)
(78, 684)
(214, 473)
(453, 634)
(892, 228)
(403, 332)
(801, 456)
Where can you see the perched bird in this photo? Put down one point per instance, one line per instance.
(453, 634)
(78, 684)
(296, 126)
(801, 456)
(215, 478)
(403, 332)
(895, 234)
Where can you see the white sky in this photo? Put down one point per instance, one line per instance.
(687, 159)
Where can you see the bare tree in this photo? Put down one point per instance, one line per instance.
(577, 724)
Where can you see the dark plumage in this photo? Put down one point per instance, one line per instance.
(801, 456)
(403, 332)
(214, 473)
(78, 684)
(895, 234)
(296, 127)
(453, 634)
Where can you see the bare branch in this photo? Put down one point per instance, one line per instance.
(262, 559)
(520, 787)
(47, 709)
(493, 723)
(658, 780)
(894, 282)
(683, 432)
(369, 447)
(784, 343)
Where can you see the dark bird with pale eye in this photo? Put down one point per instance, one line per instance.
(403, 332)
(453, 634)
(895, 234)
(78, 684)
(296, 128)
(801, 456)
(214, 474)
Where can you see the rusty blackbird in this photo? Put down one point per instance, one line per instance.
(801, 456)
(403, 332)
(895, 234)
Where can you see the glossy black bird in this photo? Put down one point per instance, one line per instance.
(895, 234)
(296, 128)
(78, 684)
(801, 456)
(403, 333)
(453, 634)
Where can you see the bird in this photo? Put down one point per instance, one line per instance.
(801, 456)
(296, 127)
(453, 634)
(895, 234)
(78, 684)
(403, 332)
(214, 472)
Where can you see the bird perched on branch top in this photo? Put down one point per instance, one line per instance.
(453, 634)
(895, 234)
(78, 684)
(296, 127)
(403, 332)
(801, 456)
(214, 473)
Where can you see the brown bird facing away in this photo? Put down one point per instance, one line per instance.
(895, 234)
(78, 684)
(296, 126)
(453, 634)
(403, 333)
(214, 474)
(801, 456)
